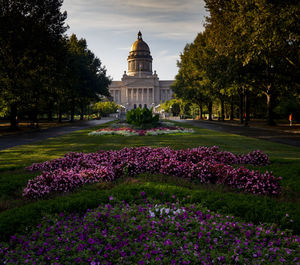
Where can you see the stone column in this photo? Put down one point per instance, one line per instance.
(149, 96)
(140, 96)
(153, 98)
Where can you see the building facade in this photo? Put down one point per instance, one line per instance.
(140, 87)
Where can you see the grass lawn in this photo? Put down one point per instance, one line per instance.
(285, 162)
(19, 215)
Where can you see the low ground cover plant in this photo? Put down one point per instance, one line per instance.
(150, 232)
(203, 164)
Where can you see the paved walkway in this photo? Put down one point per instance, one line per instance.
(259, 133)
(30, 137)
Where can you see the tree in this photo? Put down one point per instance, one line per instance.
(174, 106)
(30, 32)
(262, 34)
(86, 78)
(192, 83)
(104, 108)
(204, 75)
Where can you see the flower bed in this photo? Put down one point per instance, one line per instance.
(204, 164)
(126, 131)
(150, 233)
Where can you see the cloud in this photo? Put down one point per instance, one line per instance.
(110, 27)
(174, 19)
(124, 48)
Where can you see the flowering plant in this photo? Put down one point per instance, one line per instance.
(151, 233)
(126, 131)
(204, 164)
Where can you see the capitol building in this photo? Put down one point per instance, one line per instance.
(140, 87)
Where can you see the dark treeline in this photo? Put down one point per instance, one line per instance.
(42, 71)
(246, 60)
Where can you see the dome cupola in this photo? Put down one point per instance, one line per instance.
(139, 59)
(139, 45)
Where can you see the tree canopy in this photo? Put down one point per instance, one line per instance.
(248, 49)
(41, 69)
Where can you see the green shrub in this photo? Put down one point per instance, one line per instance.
(140, 117)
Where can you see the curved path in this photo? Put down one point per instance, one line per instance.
(30, 137)
(255, 132)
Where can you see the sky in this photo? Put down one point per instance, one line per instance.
(110, 27)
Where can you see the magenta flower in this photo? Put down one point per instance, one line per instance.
(203, 164)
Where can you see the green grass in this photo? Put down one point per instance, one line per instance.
(285, 162)
(250, 208)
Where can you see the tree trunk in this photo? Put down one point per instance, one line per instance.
(270, 113)
(222, 109)
(50, 113)
(210, 111)
(81, 112)
(201, 112)
(59, 116)
(241, 107)
(72, 112)
(13, 117)
(246, 109)
(35, 117)
(59, 113)
(231, 109)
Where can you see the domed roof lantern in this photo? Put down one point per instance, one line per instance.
(139, 44)
(140, 35)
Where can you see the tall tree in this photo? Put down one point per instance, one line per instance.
(191, 82)
(30, 32)
(263, 33)
(86, 77)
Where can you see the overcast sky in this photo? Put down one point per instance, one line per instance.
(111, 26)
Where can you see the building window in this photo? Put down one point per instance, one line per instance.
(140, 106)
(134, 106)
(145, 105)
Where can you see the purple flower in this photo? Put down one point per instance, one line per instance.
(205, 164)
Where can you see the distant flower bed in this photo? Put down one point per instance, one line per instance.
(203, 164)
(150, 233)
(126, 131)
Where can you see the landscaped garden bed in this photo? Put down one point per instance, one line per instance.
(202, 164)
(141, 123)
(150, 232)
(127, 131)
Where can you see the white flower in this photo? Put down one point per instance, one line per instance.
(152, 214)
